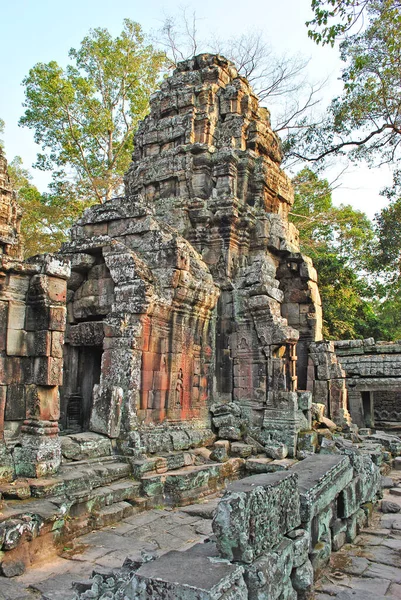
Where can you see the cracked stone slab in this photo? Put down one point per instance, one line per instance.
(191, 574)
(320, 480)
(205, 510)
(376, 570)
(382, 555)
(378, 586)
(250, 520)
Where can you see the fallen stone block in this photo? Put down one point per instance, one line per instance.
(180, 440)
(304, 400)
(307, 441)
(277, 451)
(224, 409)
(82, 446)
(12, 568)
(269, 575)
(320, 479)
(185, 485)
(320, 555)
(226, 420)
(397, 463)
(190, 482)
(392, 443)
(387, 482)
(300, 539)
(328, 447)
(241, 450)
(220, 451)
(254, 514)
(230, 433)
(268, 465)
(258, 465)
(389, 507)
(190, 574)
(18, 489)
(302, 577)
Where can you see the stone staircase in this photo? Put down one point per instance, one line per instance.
(39, 517)
(97, 487)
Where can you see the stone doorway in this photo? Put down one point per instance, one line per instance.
(367, 407)
(82, 373)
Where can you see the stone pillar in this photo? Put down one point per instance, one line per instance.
(329, 382)
(6, 462)
(39, 453)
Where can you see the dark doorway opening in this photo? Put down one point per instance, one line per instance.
(367, 405)
(83, 374)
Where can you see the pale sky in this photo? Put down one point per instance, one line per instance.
(42, 30)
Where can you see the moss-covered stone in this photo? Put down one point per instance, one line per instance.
(254, 514)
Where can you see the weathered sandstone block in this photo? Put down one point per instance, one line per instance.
(254, 514)
(197, 574)
(320, 480)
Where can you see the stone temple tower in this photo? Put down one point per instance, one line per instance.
(189, 296)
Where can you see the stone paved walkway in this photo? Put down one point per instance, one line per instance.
(369, 569)
(155, 531)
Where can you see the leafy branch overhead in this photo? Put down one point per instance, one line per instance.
(335, 18)
(365, 121)
(46, 218)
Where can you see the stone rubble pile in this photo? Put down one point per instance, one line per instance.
(273, 535)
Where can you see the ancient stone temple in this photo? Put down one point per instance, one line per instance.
(172, 346)
(373, 379)
(189, 296)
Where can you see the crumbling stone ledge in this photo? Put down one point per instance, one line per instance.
(274, 533)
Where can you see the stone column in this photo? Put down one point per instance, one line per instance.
(6, 462)
(39, 453)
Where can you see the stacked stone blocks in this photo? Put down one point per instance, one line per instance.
(274, 534)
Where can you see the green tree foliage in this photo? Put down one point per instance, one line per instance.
(388, 223)
(339, 241)
(46, 218)
(387, 261)
(85, 116)
(334, 18)
(365, 122)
